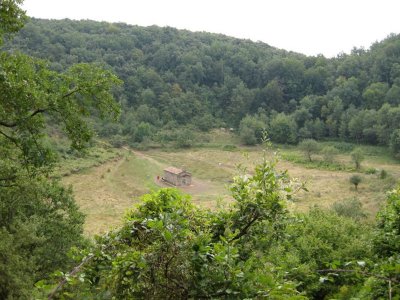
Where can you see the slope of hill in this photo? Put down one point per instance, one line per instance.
(178, 79)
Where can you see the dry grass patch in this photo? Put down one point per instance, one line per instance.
(105, 192)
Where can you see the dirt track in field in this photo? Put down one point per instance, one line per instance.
(105, 192)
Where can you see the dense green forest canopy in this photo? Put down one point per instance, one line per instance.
(176, 79)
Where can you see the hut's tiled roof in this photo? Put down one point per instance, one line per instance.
(174, 170)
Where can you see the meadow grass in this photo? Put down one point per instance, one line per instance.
(104, 192)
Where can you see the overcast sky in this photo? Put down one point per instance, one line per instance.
(311, 27)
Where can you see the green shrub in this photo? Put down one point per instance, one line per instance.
(357, 157)
(394, 142)
(250, 130)
(185, 138)
(351, 208)
(117, 141)
(371, 171)
(344, 147)
(283, 129)
(356, 180)
(205, 252)
(229, 148)
(309, 147)
(329, 153)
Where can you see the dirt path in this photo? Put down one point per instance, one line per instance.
(142, 155)
(198, 186)
(105, 192)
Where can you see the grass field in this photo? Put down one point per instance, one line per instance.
(105, 191)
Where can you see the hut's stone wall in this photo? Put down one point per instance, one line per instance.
(177, 177)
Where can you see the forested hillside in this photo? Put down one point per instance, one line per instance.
(177, 81)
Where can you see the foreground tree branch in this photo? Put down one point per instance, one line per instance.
(244, 230)
(15, 124)
(73, 272)
(358, 271)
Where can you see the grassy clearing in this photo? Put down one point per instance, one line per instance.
(375, 157)
(106, 191)
(317, 163)
(329, 182)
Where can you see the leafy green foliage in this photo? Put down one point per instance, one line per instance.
(318, 241)
(283, 129)
(329, 153)
(39, 219)
(384, 277)
(356, 180)
(250, 130)
(351, 208)
(32, 95)
(12, 17)
(229, 147)
(184, 138)
(309, 147)
(395, 142)
(371, 171)
(167, 247)
(388, 239)
(357, 156)
(210, 81)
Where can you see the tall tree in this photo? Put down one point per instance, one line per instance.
(283, 129)
(12, 17)
(39, 219)
(374, 95)
(309, 147)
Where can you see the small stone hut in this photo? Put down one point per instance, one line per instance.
(177, 176)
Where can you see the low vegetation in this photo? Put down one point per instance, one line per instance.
(356, 180)
(357, 156)
(309, 147)
(213, 165)
(254, 248)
